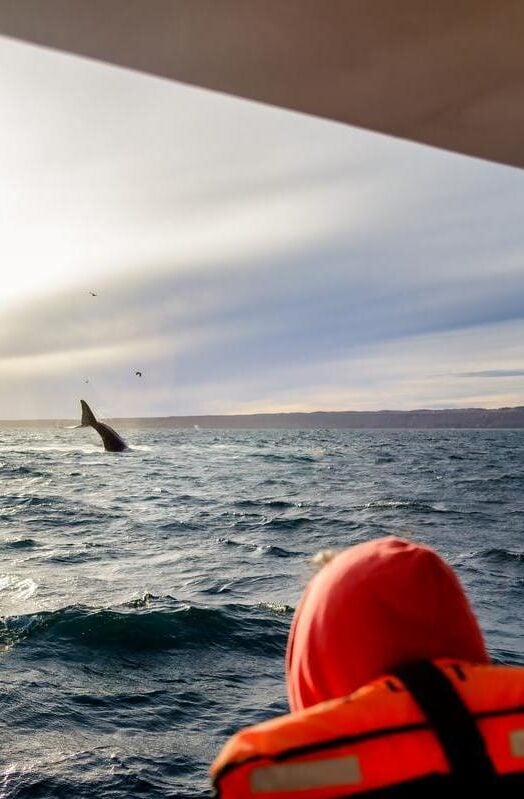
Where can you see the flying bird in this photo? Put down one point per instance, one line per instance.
(138, 374)
(92, 293)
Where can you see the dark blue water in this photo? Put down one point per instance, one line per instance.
(145, 597)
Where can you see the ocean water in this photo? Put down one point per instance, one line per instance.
(145, 597)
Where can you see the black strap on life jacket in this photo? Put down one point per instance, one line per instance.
(451, 721)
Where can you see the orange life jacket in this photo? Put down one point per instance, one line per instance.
(433, 726)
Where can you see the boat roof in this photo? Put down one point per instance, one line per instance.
(447, 73)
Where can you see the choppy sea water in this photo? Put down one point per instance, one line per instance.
(145, 597)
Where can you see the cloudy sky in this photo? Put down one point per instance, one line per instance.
(244, 258)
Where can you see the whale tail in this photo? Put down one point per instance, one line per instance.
(88, 417)
(111, 439)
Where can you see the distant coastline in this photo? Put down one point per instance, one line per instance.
(421, 419)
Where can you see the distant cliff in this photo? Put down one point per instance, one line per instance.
(422, 419)
(412, 420)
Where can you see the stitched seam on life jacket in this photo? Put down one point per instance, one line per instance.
(350, 739)
(320, 746)
(510, 711)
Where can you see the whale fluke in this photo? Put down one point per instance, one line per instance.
(88, 417)
(111, 439)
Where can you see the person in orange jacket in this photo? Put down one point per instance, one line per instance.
(391, 690)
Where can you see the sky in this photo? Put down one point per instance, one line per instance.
(244, 258)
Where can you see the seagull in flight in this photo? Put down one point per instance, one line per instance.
(138, 374)
(92, 293)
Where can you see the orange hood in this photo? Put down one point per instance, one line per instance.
(374, 607)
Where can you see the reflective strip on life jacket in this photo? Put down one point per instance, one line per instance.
(516, 738)
(304, 776)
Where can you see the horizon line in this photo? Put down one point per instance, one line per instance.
(272, 414)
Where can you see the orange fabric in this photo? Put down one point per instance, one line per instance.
(400, 757)
(490, 687)
(496, 732)
(383, 727)
(383, 760)
(372, 707)
(373, 608)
